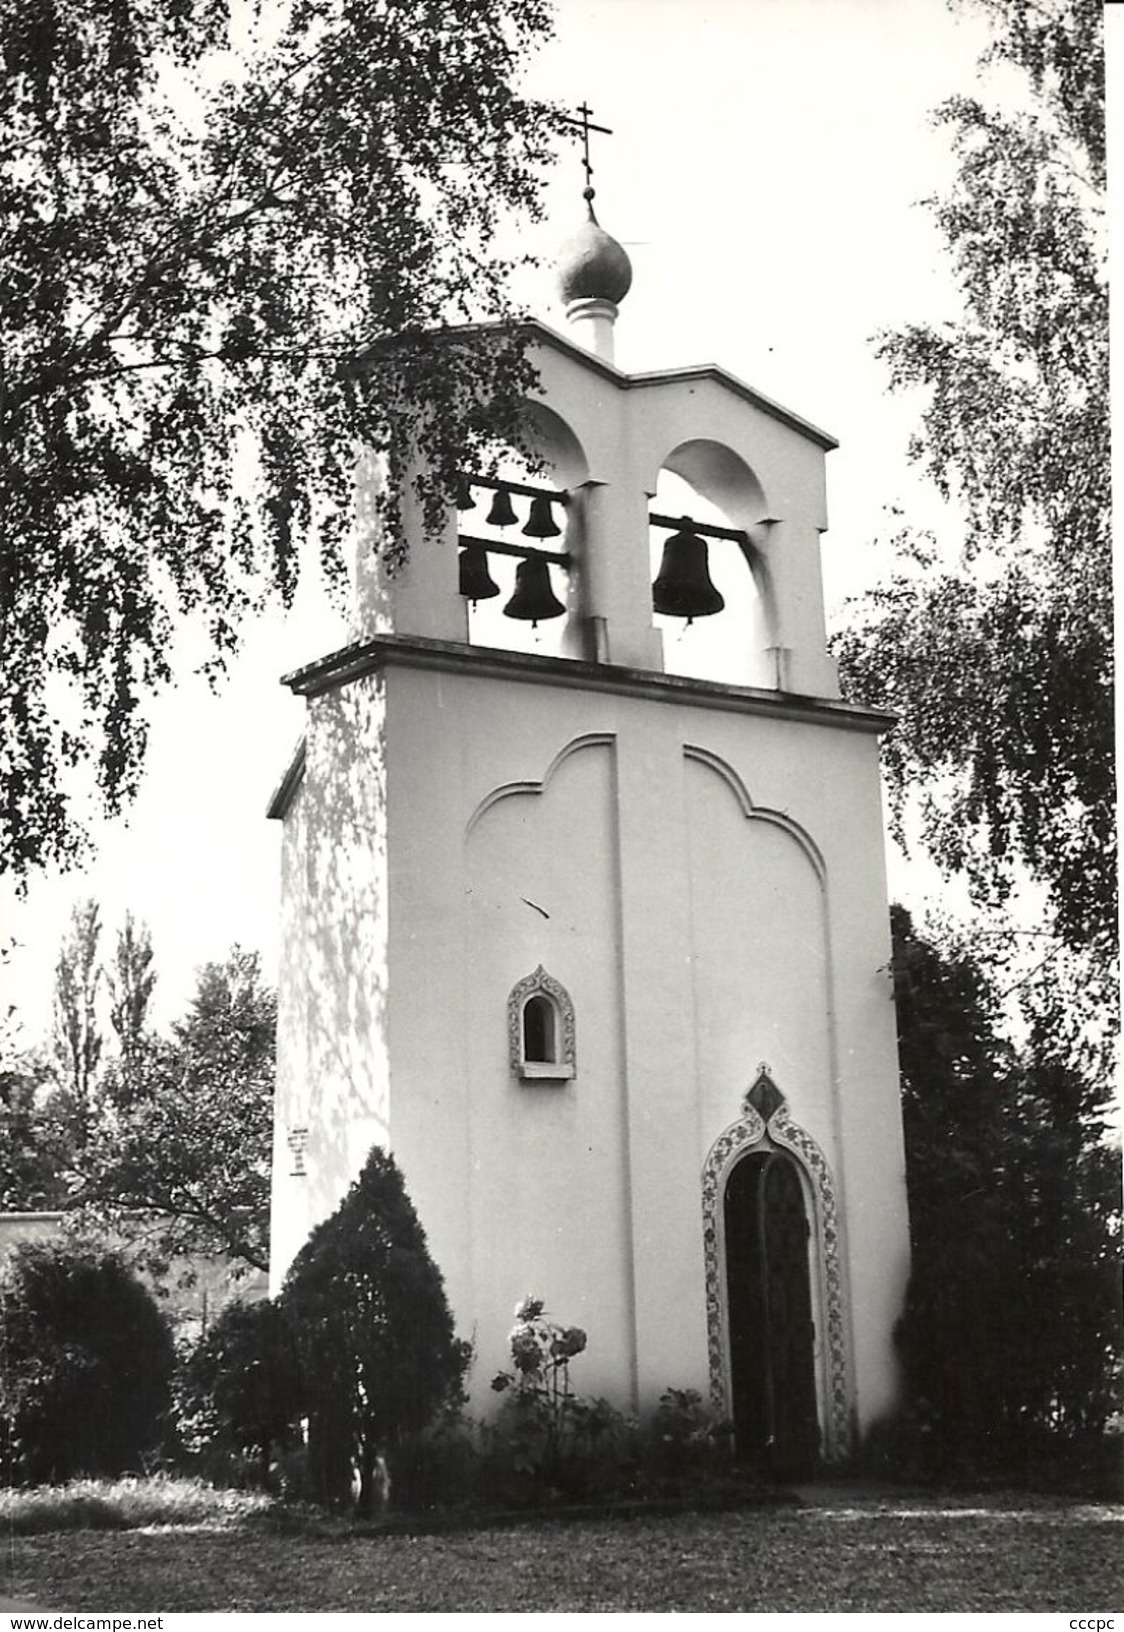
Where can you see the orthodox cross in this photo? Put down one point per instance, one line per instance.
(585, 126)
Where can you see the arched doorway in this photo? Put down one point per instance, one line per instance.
(769, 1302)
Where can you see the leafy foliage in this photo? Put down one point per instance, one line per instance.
(548, 1441)
(166, 1143)
(378, 1354)
(1012, 1322)
(687, 1443)
(33, 1150)
(240, 1385)
(547, 1429)
(87, 1364)
(997, 656)
(180, 1158)
(230, 234)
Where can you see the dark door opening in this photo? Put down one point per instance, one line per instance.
(772, 1338)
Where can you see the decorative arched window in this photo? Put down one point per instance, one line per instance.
(540, 1029)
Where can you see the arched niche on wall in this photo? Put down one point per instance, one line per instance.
(712, 484)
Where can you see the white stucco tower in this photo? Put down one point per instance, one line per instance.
(598, 949)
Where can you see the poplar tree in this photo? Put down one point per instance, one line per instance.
(131, 979)
(78, 1039)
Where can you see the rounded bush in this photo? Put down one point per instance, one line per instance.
(239, 1387)
(87, 1364)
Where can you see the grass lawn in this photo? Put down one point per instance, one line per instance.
(838, 1553)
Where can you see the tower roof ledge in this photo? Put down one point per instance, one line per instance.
(543, 334)
(540, 333)
(737, 388)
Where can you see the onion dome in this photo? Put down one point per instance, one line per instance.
(591, 264)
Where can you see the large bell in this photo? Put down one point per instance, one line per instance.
(533, 598)
(683, 588)
(541, 522)
(501, 514)
(476, 582)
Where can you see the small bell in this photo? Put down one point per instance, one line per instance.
(476, 582)
(501, 514)
(534, 598)
(683, 588)
(541, 522)
(465, 501)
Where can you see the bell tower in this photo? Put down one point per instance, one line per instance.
(595, 941)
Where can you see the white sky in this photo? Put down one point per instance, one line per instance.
(764, 173)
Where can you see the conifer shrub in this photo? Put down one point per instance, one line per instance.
(87, 1365)
(378, 1354)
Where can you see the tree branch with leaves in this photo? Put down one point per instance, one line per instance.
(994, 647)
(179, 1163)
(199, 240)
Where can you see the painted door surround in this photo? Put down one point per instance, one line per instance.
(765, 1125)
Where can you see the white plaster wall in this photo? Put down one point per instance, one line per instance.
(290, 1215)
(422, 596)
(549, 1170)
(689, 920)
(758, 961)
(333, 1074)
(872, 1152)
(521, 1188)
(712, 895)
(659, 1054)
(832, 955)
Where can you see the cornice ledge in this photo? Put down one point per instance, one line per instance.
(420, 652)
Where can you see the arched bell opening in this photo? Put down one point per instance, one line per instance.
(517, 569)
(710, 592)
(554, 444)
(515, 573)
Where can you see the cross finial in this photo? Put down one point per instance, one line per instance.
(585, 125)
